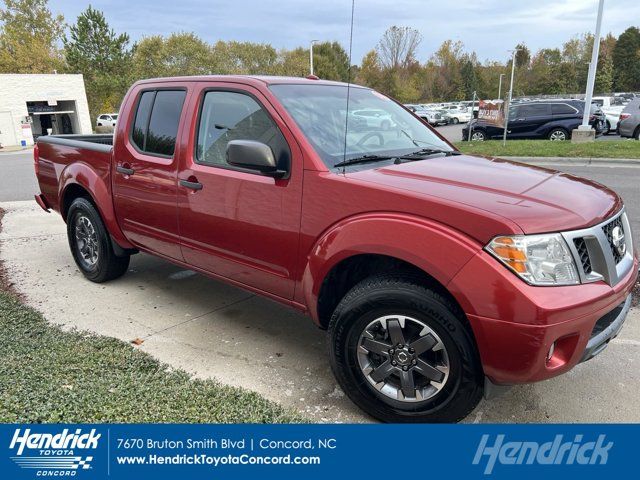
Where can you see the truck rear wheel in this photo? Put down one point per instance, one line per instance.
(402, 354)
(91, 245)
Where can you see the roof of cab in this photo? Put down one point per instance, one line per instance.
(245, 79)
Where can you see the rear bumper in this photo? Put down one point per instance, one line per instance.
(625, 129)
(42, 201)
(516, 325)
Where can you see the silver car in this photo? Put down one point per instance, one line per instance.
(629, 123)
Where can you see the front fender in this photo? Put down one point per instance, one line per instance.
(98, 186)
(434, 248)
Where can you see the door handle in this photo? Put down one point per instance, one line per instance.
(125, 170)
(191, 185)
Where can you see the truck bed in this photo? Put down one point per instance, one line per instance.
(62, 156)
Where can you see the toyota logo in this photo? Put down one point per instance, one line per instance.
(617, 238)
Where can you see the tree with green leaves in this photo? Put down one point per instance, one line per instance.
(29, 36)
(331, 61)
(103, 57)
(176, 55)
(626, 61)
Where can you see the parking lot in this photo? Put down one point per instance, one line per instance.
(214, 330)
(453, 133)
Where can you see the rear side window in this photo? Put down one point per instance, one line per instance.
(156, 124)
(562, 109)
(534, 110)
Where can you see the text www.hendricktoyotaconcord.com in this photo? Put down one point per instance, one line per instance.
(215, 461)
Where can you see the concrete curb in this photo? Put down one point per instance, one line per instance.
(578, 161)
(13, 149)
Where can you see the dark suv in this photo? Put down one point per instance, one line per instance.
(549, 119)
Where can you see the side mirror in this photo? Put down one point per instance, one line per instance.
(253, 155)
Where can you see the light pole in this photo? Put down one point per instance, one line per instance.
(311, 55)
(508, 105)
(500, 86)
(593, 66)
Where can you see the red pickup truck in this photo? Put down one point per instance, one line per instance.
(438, 275)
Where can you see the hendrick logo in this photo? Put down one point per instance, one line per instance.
(556, 452)
(54, 454)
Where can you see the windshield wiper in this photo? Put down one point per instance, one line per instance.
(365, 159)
(417, 155)
(427, 151)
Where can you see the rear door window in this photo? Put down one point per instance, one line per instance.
(562, 109)
(157, 119)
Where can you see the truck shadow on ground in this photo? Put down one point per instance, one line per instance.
(263, 340)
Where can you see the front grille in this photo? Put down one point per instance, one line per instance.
(581, 247)
(606, 320)
(608, 229)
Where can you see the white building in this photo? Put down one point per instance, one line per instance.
(34, 105)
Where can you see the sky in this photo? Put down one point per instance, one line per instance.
(488, 27)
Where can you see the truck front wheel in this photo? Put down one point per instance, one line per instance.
(91, 245)
(402, 354)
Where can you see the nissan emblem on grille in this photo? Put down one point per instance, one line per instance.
(617, 238)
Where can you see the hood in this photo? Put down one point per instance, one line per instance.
(537, 199)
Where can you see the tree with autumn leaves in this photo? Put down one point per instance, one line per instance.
(35, 40)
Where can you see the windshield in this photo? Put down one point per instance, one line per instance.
(376, 124)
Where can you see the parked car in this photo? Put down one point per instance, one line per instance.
(629, 124)
(375, 118)
(459, 115)
(611, 122)
(549, 119)
(107, 120)
(438, 275)
(434, 118)
(607, 102)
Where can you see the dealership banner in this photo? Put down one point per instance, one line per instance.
(492, 112)
(169, 451)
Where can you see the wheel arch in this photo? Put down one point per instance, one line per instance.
(348, 253)
(80, 180)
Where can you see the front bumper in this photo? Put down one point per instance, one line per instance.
(611, 324)
(515, 324)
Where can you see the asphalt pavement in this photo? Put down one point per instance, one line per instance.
(17, 177)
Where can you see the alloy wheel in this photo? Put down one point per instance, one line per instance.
(477, 137)
(403, 358)
(558, 136)
(86, 240)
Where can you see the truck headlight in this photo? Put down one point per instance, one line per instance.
(537, 259)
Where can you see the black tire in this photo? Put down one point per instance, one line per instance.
(83, 216)
(392, 295)
(455, 121)
(558, 135)
(478, 136)
(636, 135)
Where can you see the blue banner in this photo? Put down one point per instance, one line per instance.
(316, 451)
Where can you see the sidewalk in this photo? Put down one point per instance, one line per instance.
(15, 148)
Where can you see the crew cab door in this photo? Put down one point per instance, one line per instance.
(234, 222)
(145, 170)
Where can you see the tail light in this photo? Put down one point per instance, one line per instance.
(36, 159)
(624, 116)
